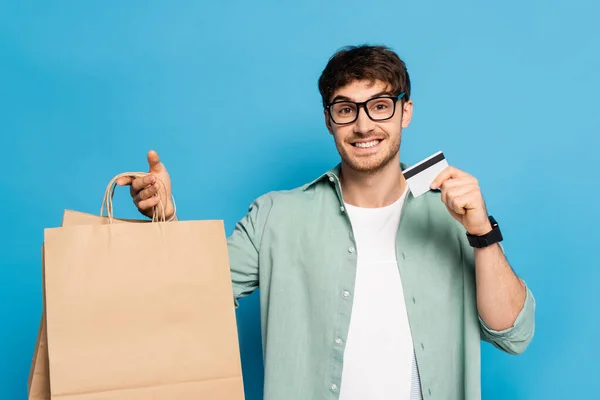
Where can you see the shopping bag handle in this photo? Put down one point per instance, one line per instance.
(110, 192)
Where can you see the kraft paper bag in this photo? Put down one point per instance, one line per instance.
(39, 375)
(140, 310)
(39, 379)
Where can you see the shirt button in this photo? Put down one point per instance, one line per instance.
(334, 387)
(346, 293)
(342, 208)
(351, 249)
(331, 179)
(338, 340)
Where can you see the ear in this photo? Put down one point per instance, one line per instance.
(328, 121)
(407, 113)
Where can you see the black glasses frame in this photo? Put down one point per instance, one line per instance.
(364, 106)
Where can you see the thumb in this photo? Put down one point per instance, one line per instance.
(154, 162)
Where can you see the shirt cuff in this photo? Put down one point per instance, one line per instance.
(515, 338)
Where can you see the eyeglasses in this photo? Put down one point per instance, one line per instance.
(377, 109)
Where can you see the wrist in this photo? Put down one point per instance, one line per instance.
(485, 236)
(481, 230)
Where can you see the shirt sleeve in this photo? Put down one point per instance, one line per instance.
(515, 339)
(243, 247)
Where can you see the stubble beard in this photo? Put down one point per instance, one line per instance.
(369, 164)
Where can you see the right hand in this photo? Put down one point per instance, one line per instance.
(147, 191)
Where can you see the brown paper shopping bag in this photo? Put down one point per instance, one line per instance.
(140, 310)
(39, 378)
(39, 375)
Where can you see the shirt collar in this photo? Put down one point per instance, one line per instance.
(334, 174)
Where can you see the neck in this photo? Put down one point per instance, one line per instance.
(373, 189)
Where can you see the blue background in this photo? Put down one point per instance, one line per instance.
(226, 93)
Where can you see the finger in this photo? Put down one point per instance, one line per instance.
(148, 192)
(462, 204)
(124, 180)
(154, 161)
(447, 173)
(142, 182)
(148, 203)
(457, 191)
(451, 184)
(463, 181)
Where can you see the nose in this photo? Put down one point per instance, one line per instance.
(363, 123)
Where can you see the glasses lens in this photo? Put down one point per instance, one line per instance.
(343, 113)
(380, 108)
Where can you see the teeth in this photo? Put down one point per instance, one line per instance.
(366, 145)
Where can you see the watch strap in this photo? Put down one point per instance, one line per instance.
(493, 236)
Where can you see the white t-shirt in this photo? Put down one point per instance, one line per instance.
(379, 358)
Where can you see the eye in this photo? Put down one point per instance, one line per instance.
(344, 109)
(381, 107)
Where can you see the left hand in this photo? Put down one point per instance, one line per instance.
(463, 199)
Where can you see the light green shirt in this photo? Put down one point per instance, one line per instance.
(298, 247)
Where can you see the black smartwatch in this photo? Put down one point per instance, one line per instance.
(493, 236)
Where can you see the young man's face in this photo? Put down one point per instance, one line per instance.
(366, 145)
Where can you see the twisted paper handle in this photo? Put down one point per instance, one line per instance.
(110, 192)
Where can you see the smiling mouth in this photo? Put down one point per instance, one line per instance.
(366, 145)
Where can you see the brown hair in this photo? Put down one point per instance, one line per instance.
(364, 62)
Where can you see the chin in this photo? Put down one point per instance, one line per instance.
(365, 166)
(370, 164)
(367, 163)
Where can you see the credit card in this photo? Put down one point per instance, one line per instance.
(421, 175)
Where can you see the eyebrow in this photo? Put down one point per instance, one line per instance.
(344, 98)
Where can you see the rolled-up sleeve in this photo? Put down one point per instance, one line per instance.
(515, 339)
(243, 246)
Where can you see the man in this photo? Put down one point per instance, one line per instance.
(366, 291)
